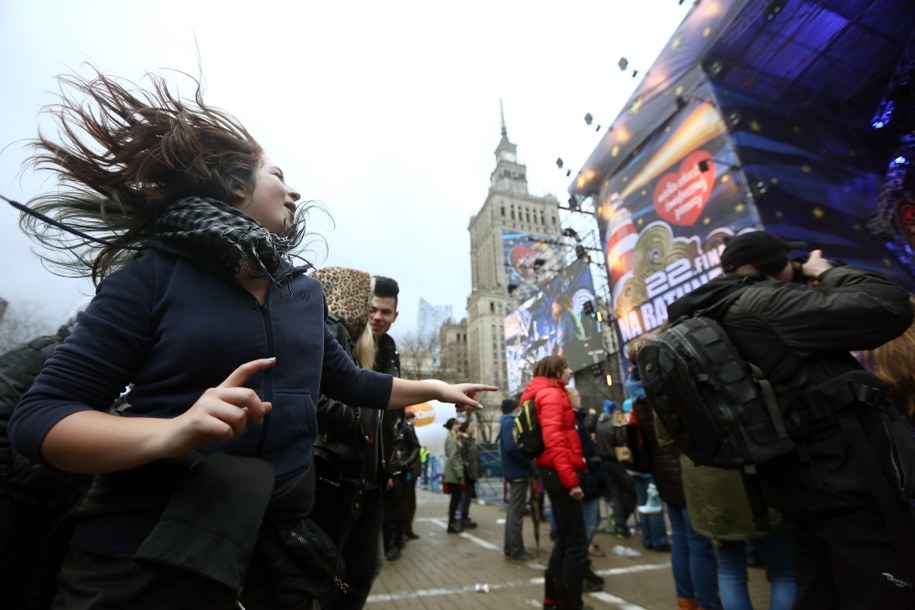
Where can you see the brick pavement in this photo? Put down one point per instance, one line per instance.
(439, 571)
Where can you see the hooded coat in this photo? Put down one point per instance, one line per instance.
(557, 422)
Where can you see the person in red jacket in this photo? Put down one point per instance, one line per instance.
(559, 465)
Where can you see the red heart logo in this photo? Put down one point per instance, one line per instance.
(680, 197)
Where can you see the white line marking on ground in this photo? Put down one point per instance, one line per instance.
(479, 541)
(614, 600)
(603, 596)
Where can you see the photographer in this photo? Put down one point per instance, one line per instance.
(829, 490)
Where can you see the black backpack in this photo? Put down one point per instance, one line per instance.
(526, 432)
(719, 409)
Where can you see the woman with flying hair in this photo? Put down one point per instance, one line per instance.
(203, 485)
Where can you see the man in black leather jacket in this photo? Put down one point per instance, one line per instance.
(35, 500)
(798, 321)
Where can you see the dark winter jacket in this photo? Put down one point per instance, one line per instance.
(593, 481)
(405, 449)
(803, 335)
(514, 465)
(175, 325)
(349, 436)
(665, 464)
(31, 482)
(557, 421)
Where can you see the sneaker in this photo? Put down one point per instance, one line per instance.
(622, 533)
(664, 548)
(591, 586)
(522, 556)
(393, 554)
(468, 524)
(411, 536)
(455, 528)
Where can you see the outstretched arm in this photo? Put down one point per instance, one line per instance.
(97, 442)
(409, 392)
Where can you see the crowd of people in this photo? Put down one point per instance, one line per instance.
(831, 521)
(253, 384)
(279, 470)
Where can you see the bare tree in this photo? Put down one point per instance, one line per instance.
(417, 357)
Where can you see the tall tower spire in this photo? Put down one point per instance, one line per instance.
(502, 114)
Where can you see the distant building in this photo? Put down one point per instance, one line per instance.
(513, 238)
(455, 358)
(431, 318)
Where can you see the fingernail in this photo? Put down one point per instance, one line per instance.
(271, 358)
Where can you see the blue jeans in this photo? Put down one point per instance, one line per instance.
(590, 510)
(654, 530)
(732, 572)
(692, 561)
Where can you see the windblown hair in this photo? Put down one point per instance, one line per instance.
(893, 364)
(550, 366)
(124, 155)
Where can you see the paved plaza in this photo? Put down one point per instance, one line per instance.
(441, 571)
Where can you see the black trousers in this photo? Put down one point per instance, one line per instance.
(567, 562)
(846, 561)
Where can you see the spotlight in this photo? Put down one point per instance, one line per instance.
(773, 9)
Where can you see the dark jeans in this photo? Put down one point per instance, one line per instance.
(470, 492)
(513, 541)
(394, 514)
(360, 554)
(622, 491)
(409, 491)
(570, 551)
(457, 499)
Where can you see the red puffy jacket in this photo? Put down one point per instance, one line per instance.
(557, 421)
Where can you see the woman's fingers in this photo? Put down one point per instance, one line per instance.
(239, 376)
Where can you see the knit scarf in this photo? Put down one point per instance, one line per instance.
(235, 238)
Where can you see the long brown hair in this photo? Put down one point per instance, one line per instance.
(124, 154)
(551, 366)
(895, 365)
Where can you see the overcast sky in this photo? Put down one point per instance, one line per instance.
(387, 112)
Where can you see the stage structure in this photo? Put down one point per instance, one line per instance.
(758, 115)
(561, 318)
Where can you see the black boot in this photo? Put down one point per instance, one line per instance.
(454, 527)
(569, 602)
(391, 547)
(550, 595)
(592, 582)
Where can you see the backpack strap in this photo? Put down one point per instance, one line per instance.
(758, 503)
(826, 400)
